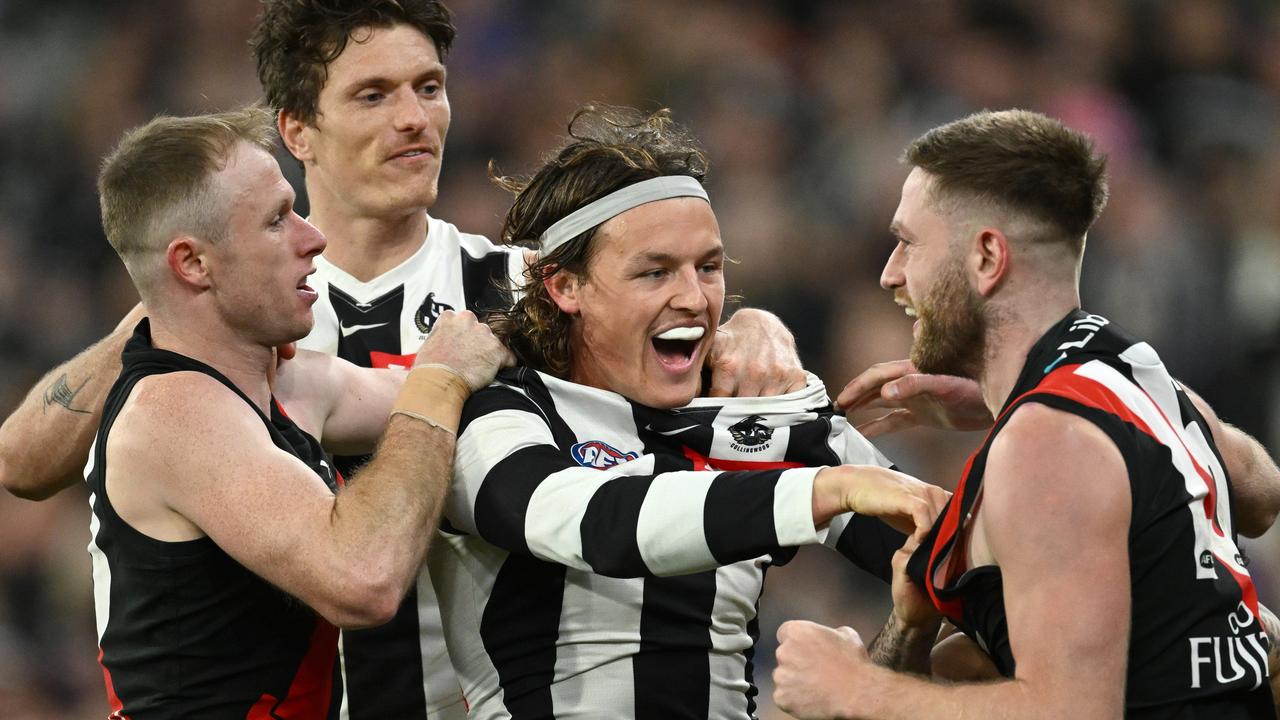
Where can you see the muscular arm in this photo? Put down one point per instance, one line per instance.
(350, 557)
(1255, 479)
(1061, 605)
(45, 442)
(350, 406)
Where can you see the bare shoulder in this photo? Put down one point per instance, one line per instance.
(1047, 463)
(181, 411)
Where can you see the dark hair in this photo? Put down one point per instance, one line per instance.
(295, 40)
(1021, 160)
(610, 148)
(158, 179)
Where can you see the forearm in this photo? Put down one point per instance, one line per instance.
(45, 442)
(1255, 479)
(903, 648)
(898, 696)
(384, 521)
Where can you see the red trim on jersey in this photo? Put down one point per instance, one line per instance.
(117, 707)
(309, 694)
(702, 462)
(953, 609)
(1096, 395)
(386, 360)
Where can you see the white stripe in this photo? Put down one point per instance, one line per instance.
(599, 634)
(793, 508)
(1140, 401)
(487, 441)
(553, 521)
(670, 530)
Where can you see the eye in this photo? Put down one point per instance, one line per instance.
(655, 273)
(430, 89)
(709, 268)
(371, 97)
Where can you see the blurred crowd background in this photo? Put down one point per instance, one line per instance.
(803, 106)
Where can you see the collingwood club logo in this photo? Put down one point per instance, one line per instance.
(426, 316)
(750, 435)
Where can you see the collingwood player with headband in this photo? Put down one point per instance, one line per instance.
(361, 94)
(608, 533)
(1090, 548)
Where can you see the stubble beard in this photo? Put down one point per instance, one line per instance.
(953, 328)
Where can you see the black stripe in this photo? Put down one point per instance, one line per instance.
(538, 392)
(672, 670)
(493, 399)
(519, 629)
(502, 503)
(753, 631)
(484, 282)
(870, 544)
(609, 528)
(373, 692)
(738, 515)
(808, 444)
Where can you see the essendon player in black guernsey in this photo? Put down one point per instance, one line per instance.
(224, 562)
(1090, 547)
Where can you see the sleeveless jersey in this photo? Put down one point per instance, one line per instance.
(401, 670)
(602, 559)
(1196, 646)
(184, 631)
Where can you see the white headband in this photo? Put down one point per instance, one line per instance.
(615, 203)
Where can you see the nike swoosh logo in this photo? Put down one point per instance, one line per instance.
(669, 433)
(348, 329)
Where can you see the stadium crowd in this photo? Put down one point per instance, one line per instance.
(803, 105)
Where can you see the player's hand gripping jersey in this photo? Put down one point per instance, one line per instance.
(605, 559)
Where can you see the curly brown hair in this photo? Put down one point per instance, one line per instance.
(610, 148)
(295, 40)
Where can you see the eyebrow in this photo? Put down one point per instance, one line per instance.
(648, 257)
(898, 231)
(434, 72)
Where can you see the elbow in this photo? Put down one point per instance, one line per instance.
(24, 484)
(367, 599)
(1257, 520)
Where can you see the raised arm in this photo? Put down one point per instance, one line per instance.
(45, 442)
(187, 457)
(1060, 606)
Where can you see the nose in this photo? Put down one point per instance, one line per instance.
(689, 294)
(310, 240)
(892, 276)
(410, 115)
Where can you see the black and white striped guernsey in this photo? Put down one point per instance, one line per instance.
(603, 559)
(401, 670)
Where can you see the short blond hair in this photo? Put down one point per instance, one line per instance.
(158, 181)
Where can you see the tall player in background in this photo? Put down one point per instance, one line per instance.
(360, 90)
(1090, 546)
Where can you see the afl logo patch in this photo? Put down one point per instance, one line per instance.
(599, 455)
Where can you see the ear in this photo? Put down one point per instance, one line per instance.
(296, 136)
(989, 259)
(563, 287)
(185, 256)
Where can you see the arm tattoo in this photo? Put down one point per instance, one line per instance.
(61, 393)
(901, 649)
